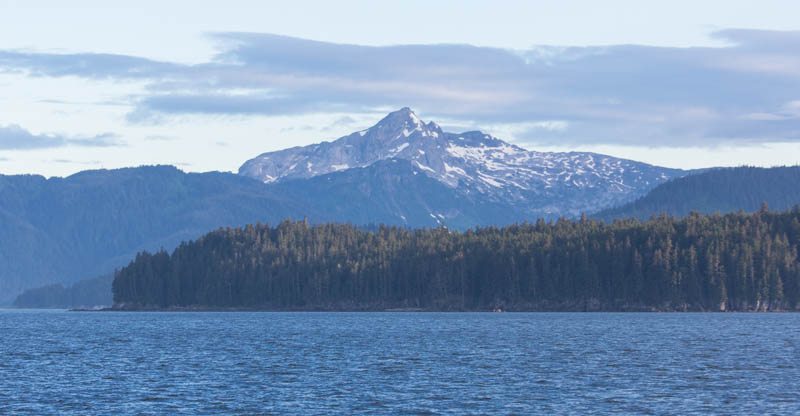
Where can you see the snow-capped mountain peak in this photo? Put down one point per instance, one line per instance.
(474, 163)
(402, 123)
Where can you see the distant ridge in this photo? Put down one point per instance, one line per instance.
(720, 190)
(88, 293)
(61, 230)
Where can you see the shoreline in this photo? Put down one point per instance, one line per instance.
(129, 308)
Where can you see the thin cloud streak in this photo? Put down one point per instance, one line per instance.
(14, 137)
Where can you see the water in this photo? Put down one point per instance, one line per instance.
(398, 363)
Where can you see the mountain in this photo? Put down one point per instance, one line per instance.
(60, 230)
(400, 172)
(484, 169)
(720, 190)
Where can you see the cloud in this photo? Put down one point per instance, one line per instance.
(344, 121)
(100, 140)
(621, 94)
(300, 127)
(160, 138)
(14, 137)
(76, 162)
(86, 65)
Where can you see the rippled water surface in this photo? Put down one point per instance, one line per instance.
(398, 363)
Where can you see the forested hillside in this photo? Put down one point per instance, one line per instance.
(720, 190)
(731, 262)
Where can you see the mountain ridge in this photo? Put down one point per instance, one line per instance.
(474, 163)
(89, 223)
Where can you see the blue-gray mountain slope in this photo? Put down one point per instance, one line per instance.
(720, 190)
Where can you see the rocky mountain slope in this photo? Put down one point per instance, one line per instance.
(395, 192)
(476, 165)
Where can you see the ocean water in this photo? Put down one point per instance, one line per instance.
(58, 362)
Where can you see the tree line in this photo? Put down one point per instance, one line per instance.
(700, 262)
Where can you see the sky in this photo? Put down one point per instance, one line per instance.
(203, 87)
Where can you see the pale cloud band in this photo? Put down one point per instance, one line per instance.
(13, 137)
(744, 93)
